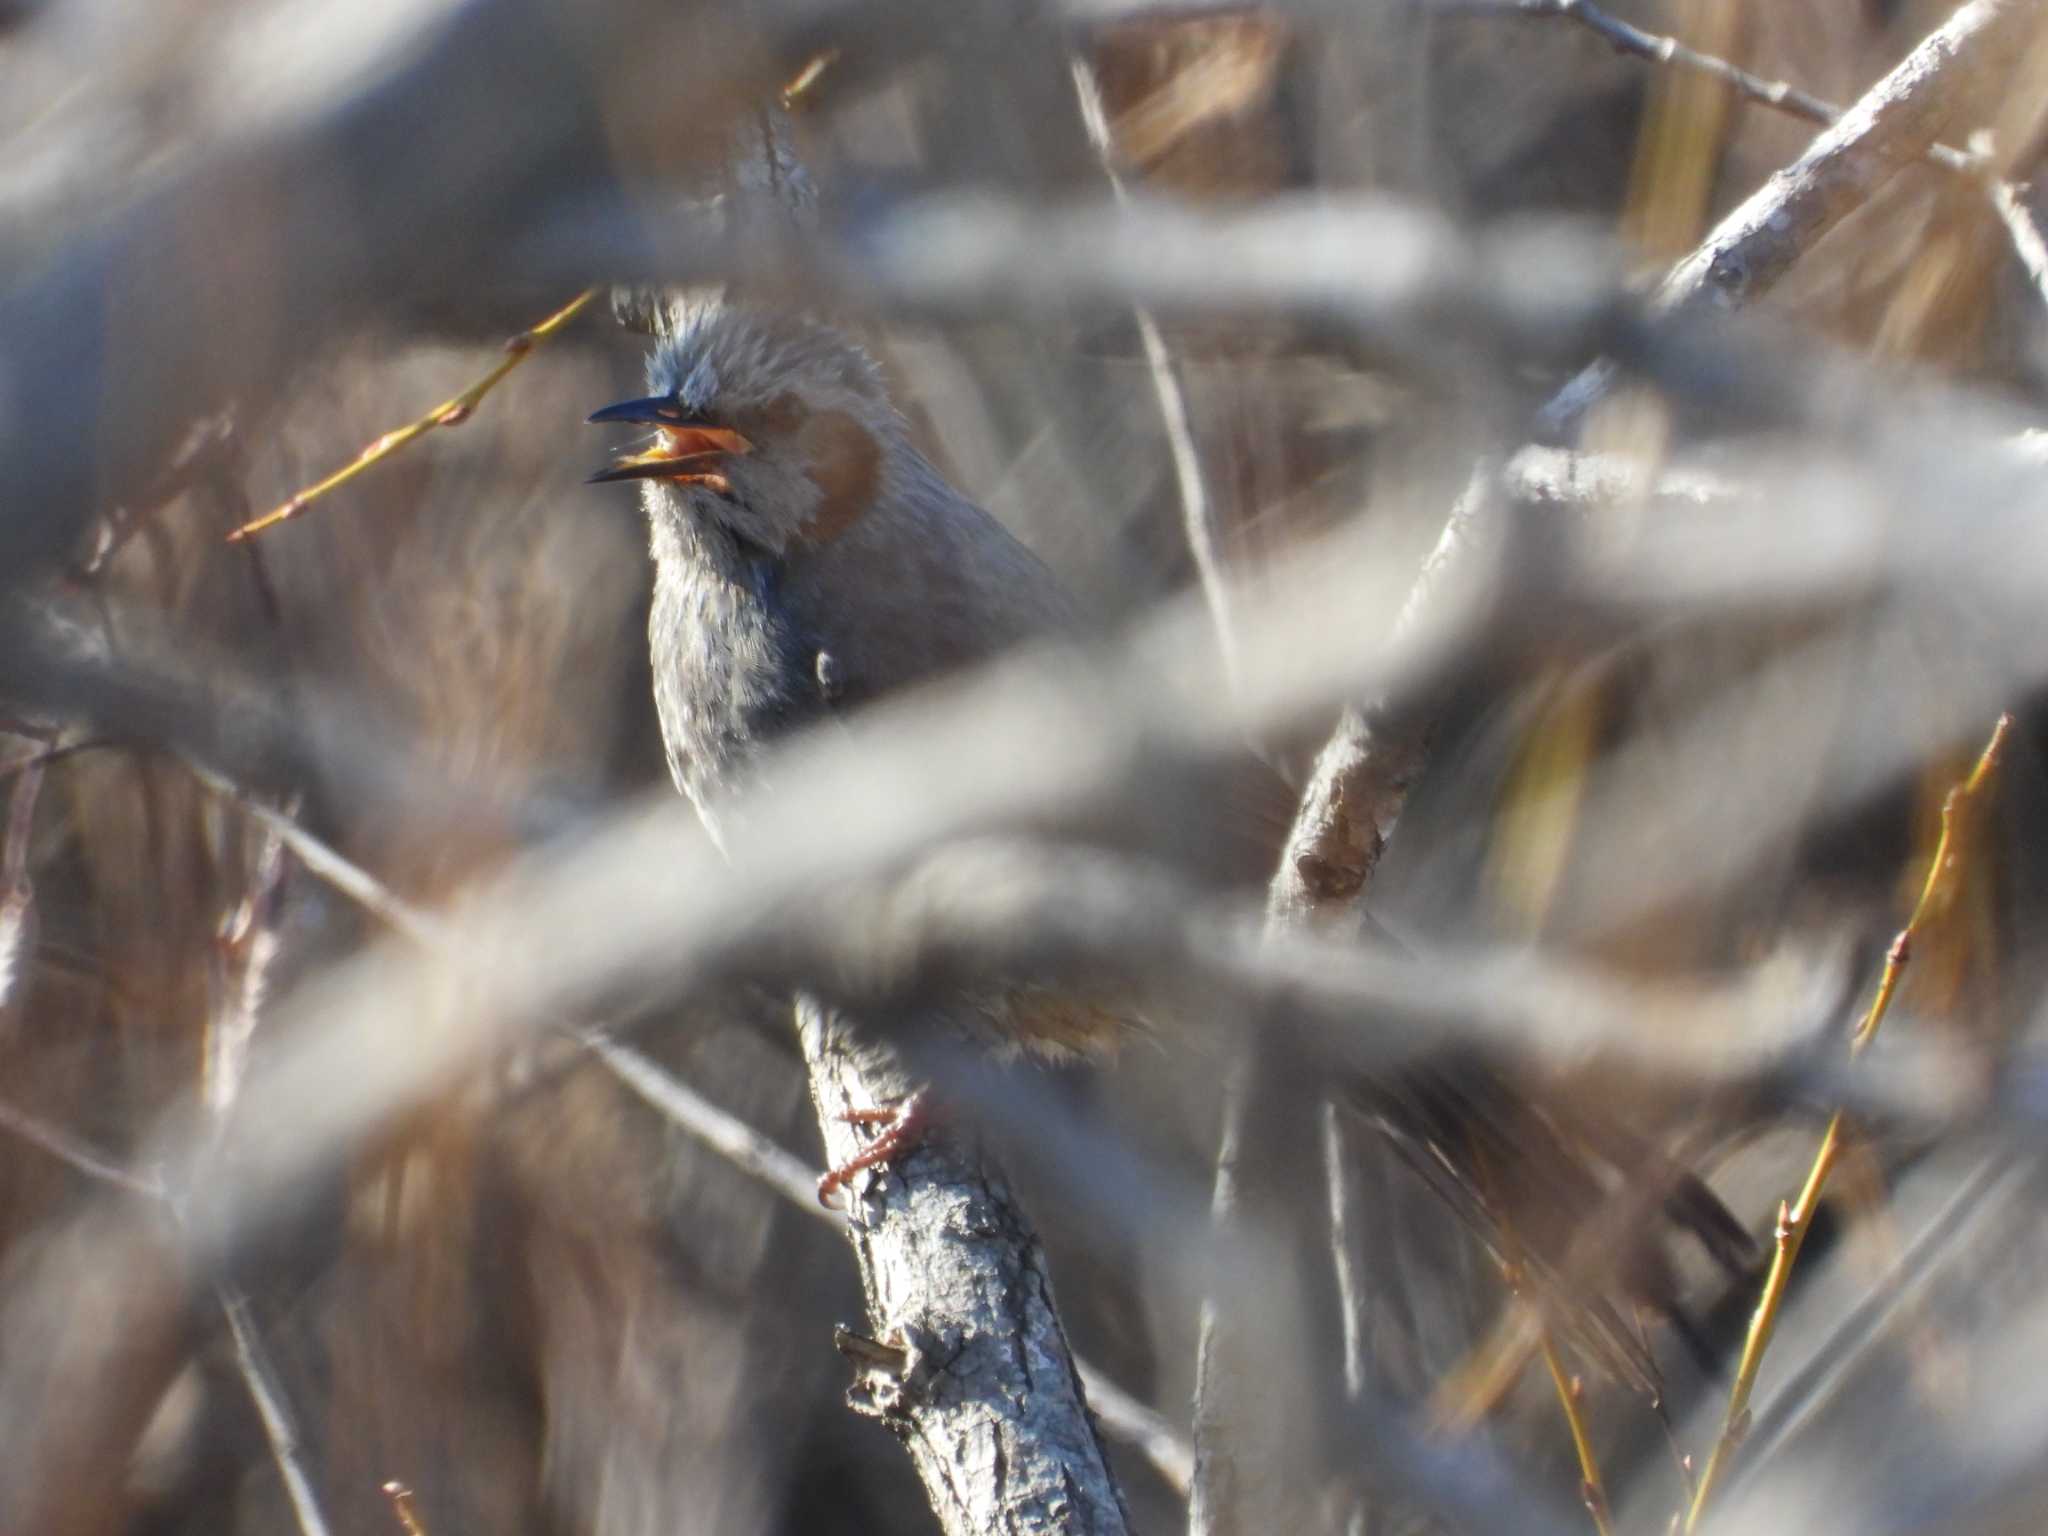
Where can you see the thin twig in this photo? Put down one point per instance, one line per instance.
(805, 79)
(1198, 514)
(723, 1132)
(274, 1411)
(205, 443)
(1569, 1392)
(243, 951)
(452, 412)
(1136, 1423)
(747, 1149)
(1982, 1197)
(1891, 125)
(74, 1153)
(322, 860)
(2007, 199)
(1795, 1220)
(1661, 48)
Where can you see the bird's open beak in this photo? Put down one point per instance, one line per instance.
(682, 449)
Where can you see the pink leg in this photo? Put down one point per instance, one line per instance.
(902, 1128)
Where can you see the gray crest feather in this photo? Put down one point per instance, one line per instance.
(714, 355)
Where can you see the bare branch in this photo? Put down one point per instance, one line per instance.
(1627, 38)
(1121, 1414)
(647, 899)
(1894, 124)
(1873, 540)
(651, 899)
(2007, 197)
(971, 1365)
(1248, 1469)
(1887, 129)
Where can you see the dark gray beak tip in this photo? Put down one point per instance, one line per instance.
(653, 410)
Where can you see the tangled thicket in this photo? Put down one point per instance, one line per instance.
(1602, 488)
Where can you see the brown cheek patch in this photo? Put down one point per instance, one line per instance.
(845, 463)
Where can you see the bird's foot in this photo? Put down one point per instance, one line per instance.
(901, 1127)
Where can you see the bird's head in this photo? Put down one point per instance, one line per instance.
(777, 429)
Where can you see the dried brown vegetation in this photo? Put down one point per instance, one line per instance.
(1642, 785)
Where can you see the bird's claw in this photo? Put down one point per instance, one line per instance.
(901, 1127)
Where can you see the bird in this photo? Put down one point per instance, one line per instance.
(809, 559)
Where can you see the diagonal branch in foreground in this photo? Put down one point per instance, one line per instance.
(1250, 1469)
(1122, 1415)
(1895, 123)
(646, 900)
(2008, 199)
(945, 1257)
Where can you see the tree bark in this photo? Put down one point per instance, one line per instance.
(966, 1360)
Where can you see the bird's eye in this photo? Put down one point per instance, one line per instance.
(784, 414)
